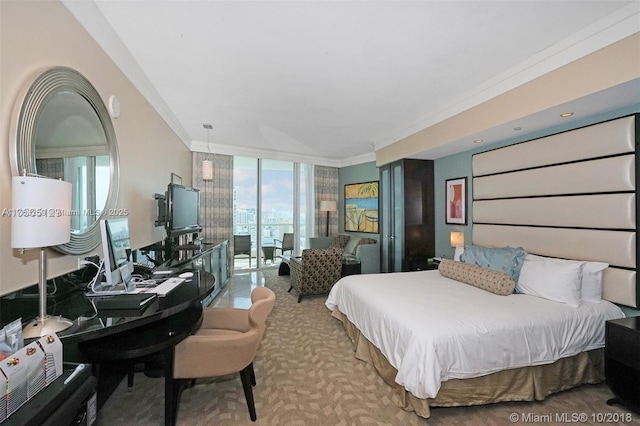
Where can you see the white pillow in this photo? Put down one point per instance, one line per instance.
(551, 280)
(592, 281)
(591, 289)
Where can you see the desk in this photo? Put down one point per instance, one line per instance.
(158, 338)
(109, 342)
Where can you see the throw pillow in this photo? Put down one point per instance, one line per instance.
(353, 242)
(508, 260)
(486, 279)
(340, 241)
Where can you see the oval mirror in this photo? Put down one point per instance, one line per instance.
(63, 130)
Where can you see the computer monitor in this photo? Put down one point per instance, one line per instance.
(118, 262)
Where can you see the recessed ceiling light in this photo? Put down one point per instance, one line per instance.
(517, 129)
(566, 114)
(478, 141)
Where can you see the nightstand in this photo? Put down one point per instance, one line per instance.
(622, 361)
(350, 267)
(420, 265)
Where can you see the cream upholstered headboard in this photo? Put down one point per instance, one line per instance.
(570, 195)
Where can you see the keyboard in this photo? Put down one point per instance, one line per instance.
(165, 287)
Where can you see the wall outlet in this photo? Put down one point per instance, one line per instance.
(89, 260)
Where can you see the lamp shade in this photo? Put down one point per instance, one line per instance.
(207, 170)
(328, 206)
(41, 212)
(457, 239)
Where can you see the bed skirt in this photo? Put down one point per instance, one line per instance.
(520, 384)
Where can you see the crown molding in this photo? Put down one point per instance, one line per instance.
(217, 148)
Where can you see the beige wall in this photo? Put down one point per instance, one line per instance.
(37, 34)
(615, 64)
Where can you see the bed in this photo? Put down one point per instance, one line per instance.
(565, 200)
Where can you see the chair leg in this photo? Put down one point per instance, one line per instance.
(290, 288)
(245, 375)
(253, 375)
(130, 373)
(299, 298)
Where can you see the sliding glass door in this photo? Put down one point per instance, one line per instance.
(269, 201)
(276, 206)
(245, 211)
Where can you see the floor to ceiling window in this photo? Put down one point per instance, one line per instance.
(269, 200)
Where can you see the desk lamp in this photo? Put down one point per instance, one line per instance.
(328, 206)
(41, 218)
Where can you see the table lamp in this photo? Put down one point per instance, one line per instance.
(328, 206)
(41, 218)
(456, 239)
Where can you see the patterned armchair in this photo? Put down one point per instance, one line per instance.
(316, 272)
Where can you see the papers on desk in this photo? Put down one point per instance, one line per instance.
(163, 288)
(160, 290)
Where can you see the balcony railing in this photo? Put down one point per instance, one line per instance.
(270, 232)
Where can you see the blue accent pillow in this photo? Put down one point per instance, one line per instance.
(508, 260)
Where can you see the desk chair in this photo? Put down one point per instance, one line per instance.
(286, 243)
(242, 245)
(226, 342)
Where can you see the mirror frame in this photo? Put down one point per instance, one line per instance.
(28, 106)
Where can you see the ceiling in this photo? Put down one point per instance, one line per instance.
(332, 81)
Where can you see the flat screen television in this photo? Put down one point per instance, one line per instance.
(116, 247)
(183, 210)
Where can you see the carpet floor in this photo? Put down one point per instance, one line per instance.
(307, 374)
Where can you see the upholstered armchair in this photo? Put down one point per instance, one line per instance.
(316, 272)
(225, 343)
(366, 250)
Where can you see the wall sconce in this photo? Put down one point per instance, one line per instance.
(456, 239)
(41, 218)
(328, 206)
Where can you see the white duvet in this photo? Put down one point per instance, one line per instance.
(432, 328)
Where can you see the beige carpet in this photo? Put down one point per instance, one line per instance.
(307, 375)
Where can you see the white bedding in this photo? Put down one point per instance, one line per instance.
(432, 328)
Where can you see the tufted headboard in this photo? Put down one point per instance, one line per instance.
(570, 195)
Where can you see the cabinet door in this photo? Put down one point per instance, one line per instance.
(392, 217)
(397, 217)
(385, 217)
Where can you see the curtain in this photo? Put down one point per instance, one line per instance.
(326, 189)
(51, 167)
(216, 197)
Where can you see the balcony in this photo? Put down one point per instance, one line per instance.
(270, 232)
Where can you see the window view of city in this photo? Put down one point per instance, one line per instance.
(275, 210)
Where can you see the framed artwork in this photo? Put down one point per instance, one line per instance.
(456, 205)
(361, 207)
